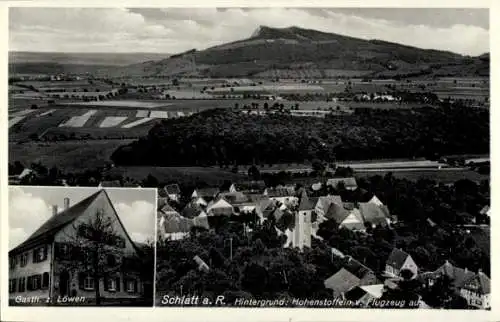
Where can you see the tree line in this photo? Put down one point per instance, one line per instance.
(228, 137)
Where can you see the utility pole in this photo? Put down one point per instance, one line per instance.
(231, 248)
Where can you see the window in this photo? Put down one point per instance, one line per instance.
(120, 242)
(111, 284)
(24, 259)
(12, 285)
(45, 280)
(22, 284)
(40, 254)
(111, 260)
(88, 283)
(13, 262)
(131, 286)
(34, 282)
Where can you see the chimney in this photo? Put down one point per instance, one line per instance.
(66, 203)
(54, 210)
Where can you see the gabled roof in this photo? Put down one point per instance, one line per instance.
(485, 210)
(110, 183)
(254, 185)
(357, 224)
(305, 203)
(219, 207)
(349, 182)
(336, 212)
(397, 258)
(479, 283)
(191, 210)
(375, 290)
(172, 189)
(374, 214)
(56, 223)
(281, 191)
(168, 209)
(357, 268)
(376, 201)
(207, 192)
(324, 202)
(234, 197)
(342, 281)
(456, 274)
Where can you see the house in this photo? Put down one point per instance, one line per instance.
(207, 194)
(366, 294)
(349, 183)
(341, 282)
(173, 191)
(374, 214)
(202, 266)
(175, 226)
(456, 275)
(44, 264)
(219, 207)
(477, 291)
(323, 204)
(283, 194)
(16, 178)
(366, 275)
(109, 184)
(234, 197)
(399, 260)
(344, 218)
(253, 186)
(376, 201)
(485, 211)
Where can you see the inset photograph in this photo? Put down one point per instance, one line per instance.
(81, 246)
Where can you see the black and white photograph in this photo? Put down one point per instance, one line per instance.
(81, 246)
(302, 157)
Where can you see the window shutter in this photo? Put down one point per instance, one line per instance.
(34, 256)
(106, 283)
(45, 251)
(118, 284)
(30, 278)
(39, 285)
(81, 279)
(135, 286)
(14, 286)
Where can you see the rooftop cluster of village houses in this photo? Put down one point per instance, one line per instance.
(297, 216)
(48, 266)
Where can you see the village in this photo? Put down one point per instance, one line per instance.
(296, 215)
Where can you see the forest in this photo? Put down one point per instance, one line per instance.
(228, 137)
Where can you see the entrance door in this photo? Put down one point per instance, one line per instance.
(64, 283)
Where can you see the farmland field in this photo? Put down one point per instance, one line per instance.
(69, 155)
(122, 103)
(211, 176)
(439, 176)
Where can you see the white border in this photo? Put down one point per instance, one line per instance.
(241, 314)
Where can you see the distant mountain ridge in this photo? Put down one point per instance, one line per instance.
(295, 52)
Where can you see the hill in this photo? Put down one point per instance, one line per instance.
(46, 62)
(284, 51)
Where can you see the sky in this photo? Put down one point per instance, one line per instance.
(174, 30)
(31, 206)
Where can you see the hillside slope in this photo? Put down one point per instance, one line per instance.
(304, 53)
